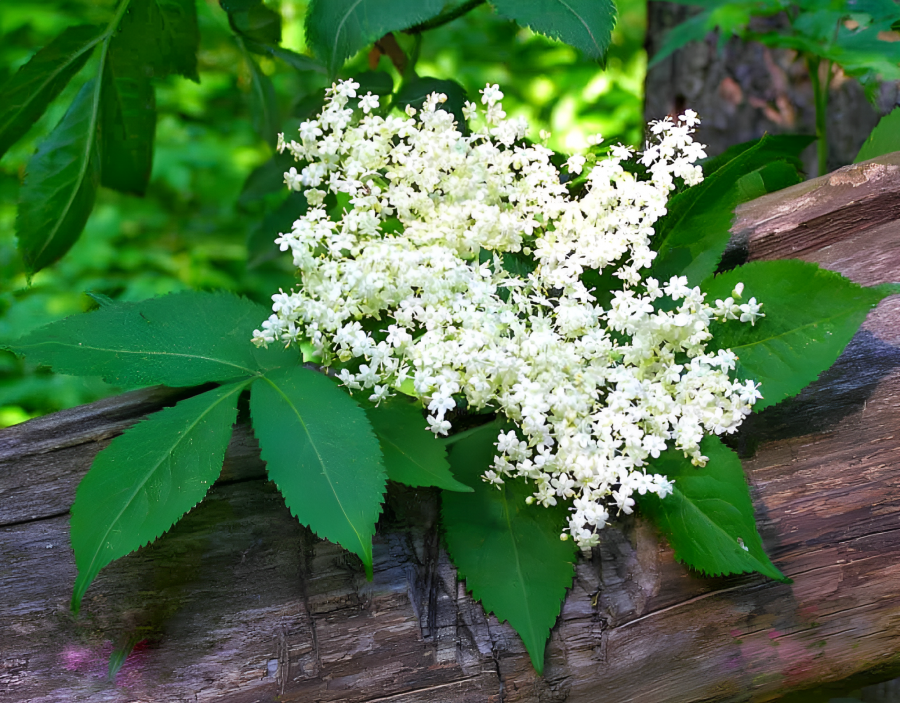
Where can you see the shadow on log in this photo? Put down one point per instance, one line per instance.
(239, 603)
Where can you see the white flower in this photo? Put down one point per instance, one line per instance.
(408, 285)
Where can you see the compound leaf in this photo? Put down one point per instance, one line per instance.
(181, 339)
(811, 314)
(337, 29)
(129, 121)
(321, 452)
(412, 455)
(146, 479)
(585, 24)
(60, 184)
(708, 519)
(35, 85)
(509, 553)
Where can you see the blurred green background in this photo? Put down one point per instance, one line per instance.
(190, 230)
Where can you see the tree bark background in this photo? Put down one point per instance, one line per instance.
(748, 89)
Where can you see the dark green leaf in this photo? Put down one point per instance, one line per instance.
(585, 24)
(35, 85)
(884, 139)
(146, 479)
(261, 245)
(768, 179)
(254, 21)
(416, 90)
(787, 147)
(708, 519)
(375, 82)
(694, 232)
(692, 29)
(129, 122)
(320, 451)
(60, 183)
(296, 61)
(509, 553)
(412, 455)
(811, 315)
(263, 104)
(337, 29)
(163, 35)
(182, 339)
(266, 179)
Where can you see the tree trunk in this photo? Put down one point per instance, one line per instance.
(746, 89)
(239, 603)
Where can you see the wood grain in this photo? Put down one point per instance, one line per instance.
(239, 603)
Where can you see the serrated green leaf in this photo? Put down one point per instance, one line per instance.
(585, 24)
(60, 184)
(884, 139)
(129, 121)
(696, 229)
(337, 29)
(811, 314)
(146, 479)
(416, 90)
(321, 452)
(412, 455)
(25, 96)
(163, 35)
(786, 147)
(509, 553)
(708, 519)
(181, 339)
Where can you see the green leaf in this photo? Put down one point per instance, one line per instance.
(416, 90)
(692, 29)
(254, 20)
(298, 62)
(694, 232)
(786, 147)
(320, 451)
(182, 339)
(585, 24)
(337, 29)
(412, 455)
(163, 35)
(129, 122)
(774, 176)
(884, 139)
(263, 104)
(25, 96)
(509, 553)
(265, 179)
(146, 479)
(811, 314)
(708, 519)
(60, 184)
(261, 245)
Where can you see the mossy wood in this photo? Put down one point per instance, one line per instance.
(240, 603)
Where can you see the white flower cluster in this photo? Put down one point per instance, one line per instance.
(451, 266)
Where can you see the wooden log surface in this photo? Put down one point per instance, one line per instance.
(239, 603)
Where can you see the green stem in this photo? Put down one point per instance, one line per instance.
(820, 100)
(445, 17)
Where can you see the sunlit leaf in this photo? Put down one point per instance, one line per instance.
(146, 479)
(884, 139)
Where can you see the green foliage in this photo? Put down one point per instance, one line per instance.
(183, 339)
(697, 226)
(811, 315)
(320, 451)
(413, 92)
(884, 139)
(162, 34)
(412, 455)
(708, 519)
(585, 24)
(147, 478)
(509, 553)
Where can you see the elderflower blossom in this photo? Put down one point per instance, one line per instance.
(410, 257)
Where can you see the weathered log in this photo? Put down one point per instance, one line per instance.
(240, 603)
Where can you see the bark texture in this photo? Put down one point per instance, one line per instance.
(745, 89)
(239, 603)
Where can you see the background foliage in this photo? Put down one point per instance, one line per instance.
(190, 230)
